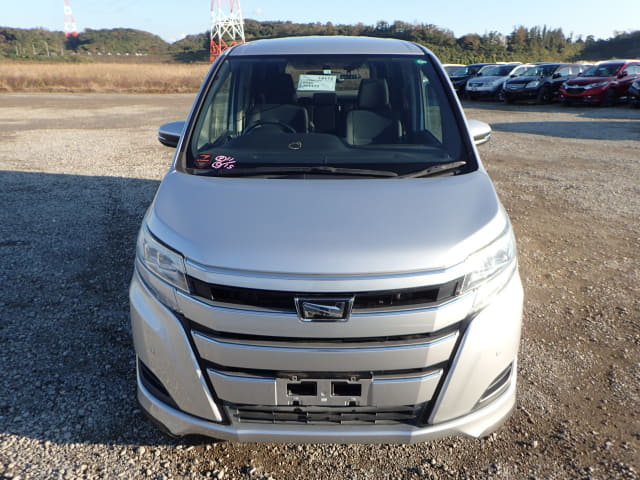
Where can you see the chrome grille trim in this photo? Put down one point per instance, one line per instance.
(316, 359)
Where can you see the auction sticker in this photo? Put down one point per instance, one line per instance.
(203, 160)
(317, 83)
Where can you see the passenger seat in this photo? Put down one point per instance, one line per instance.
(372, 120)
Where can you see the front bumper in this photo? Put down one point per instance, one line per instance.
(485, 347)
(521, 93)
(483, 91)
(591, 96)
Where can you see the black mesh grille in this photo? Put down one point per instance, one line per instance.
(284, 301)
(407, 415)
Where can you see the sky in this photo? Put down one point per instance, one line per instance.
(173, 19)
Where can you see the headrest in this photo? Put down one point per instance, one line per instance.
(373, 93)
(280, 89)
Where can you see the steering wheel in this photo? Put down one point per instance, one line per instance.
(261, 123)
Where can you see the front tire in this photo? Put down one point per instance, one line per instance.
(609, 98)
(544, 96)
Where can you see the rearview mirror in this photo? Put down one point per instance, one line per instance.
(169, 134)
(480, 131)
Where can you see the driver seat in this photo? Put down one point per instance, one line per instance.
(277, 104)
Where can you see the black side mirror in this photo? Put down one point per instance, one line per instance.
(622, 74)
(169, 134)
(556, 75)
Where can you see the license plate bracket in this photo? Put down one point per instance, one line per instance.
(350, 392)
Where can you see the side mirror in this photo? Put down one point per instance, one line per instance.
(169, 134)
(556, 75)
(480, 131)
(623, 74)
(479, 74)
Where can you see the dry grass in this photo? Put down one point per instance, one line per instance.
(100, 77)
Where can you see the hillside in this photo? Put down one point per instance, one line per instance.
(522, 44)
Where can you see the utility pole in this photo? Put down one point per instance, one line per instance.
(227, 26)
(70, 28)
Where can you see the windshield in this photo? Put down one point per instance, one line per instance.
(347, 114)
(540, 71)
(452, 69)
(604, 70)
(497, 70)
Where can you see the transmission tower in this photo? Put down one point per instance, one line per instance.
(227, 26)
(70, 28)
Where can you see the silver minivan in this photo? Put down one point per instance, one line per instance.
(326, 260)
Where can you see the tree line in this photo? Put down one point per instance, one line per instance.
(522, 44)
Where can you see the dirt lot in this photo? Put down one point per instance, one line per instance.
(76, 174)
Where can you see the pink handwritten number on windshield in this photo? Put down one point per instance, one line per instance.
(222, 161)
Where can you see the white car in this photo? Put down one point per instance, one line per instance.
(491, 79)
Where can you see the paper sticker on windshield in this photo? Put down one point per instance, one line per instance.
(223, 161)
(317, 83)
(203, 160)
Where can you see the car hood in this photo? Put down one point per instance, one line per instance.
(489, 78)
(526, 79)
(318, 226)
(585, 80)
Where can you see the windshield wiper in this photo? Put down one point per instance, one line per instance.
(435, 170)
(315, 169)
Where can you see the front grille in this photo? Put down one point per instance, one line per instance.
(575, 90)
(283, 301)
(408, 415)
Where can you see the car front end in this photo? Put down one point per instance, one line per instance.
(305, 286)
(585, 90)
(484, 87)
(522, 88)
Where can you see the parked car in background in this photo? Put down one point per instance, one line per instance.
(460, 77)
(634, 93)
(601, 84)
(299, 279)
(451, 67)
(541, 82)
(490, 80)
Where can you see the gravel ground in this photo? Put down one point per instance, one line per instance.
(76, 174)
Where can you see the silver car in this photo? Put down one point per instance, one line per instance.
(326, 259)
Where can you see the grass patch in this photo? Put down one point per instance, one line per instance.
(101, 77)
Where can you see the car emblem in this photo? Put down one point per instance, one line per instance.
(315, 309)
(297, 145)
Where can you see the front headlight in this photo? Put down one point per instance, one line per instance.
(565, 85)
(160, 267)
(533, 84)
(597, 84)
(490, 268)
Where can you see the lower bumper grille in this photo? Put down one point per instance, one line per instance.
(407, 415)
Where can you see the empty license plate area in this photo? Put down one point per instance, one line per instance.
(350, 392)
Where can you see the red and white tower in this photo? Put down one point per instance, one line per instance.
(227, 26)
(70, 28)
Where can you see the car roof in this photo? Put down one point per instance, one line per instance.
(327, 46)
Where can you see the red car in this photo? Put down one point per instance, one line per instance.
(601, 84)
